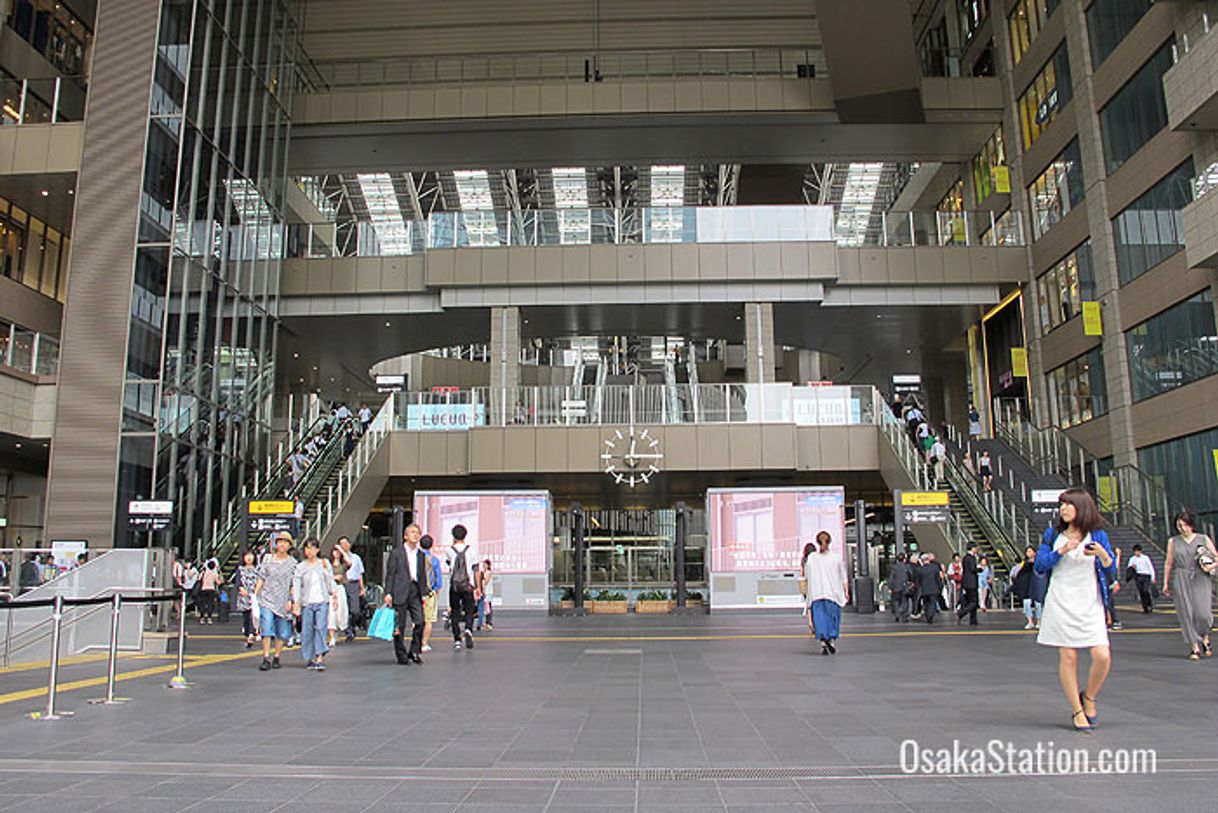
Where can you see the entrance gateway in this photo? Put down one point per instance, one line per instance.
(743, 550)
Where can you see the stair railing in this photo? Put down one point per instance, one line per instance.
(353, 469)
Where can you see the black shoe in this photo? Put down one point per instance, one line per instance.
(405, 662)
(414, 659)
(824, 648)
(832, 648)
(265, 665)
(469, 640)
(349, 637)
(275, 664)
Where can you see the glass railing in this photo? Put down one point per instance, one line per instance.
(28, 351)
(41, 101)
(656, 225)
(1197, 30)
(645, 404)
(793, 62)
(1206, 181)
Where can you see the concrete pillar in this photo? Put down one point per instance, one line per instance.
(92, 362)
(505, 361)
(759, 342)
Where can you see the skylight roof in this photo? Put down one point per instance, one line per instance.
(571, 199)
(668, 185)
(858, 202)
(384, 212)
(477, 215)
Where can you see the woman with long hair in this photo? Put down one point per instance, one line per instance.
(312, 588)
(339, 611)
(1078, 554)
(1191, 558)
(247, 578)
(827, 591)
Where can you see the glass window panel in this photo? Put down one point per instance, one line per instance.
(1185, 467)
(1175, 348)
(1149, 230)
(1077, 391)
(1137, 111)
(1108, 21)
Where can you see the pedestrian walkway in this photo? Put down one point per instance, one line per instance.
(707, 713)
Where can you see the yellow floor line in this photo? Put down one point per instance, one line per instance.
(776, 636)
(25, 666)
(201, 660)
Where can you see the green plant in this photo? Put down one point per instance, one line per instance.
(610, 595)
(653, 595)
(568, 594)
(693, 594)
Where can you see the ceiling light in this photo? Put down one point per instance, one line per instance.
(44, 193)
(18, 445)
(71, 191)
(386, 324)
(295, 355)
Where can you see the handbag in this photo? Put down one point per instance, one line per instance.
(803, 587)
(382, 623)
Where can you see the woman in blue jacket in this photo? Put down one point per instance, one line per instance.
(1080, 558)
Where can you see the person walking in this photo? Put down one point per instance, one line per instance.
(974, 423)
(985, 577)
(1114, 587)
(969, 585)
(29, 576)
(1078, 554)
(1143, 571)
(209, 588)
(955, 573)
(985, 471)
(312, 587)
(354, 584)
(462, 563)
(902, 588)
(938, 452)
(431, 601)
(1191, 558)
(930, 584)
(274, 594)
(486, 596)
(828, 591)
(246, 580)
(406, 583)
(339, 612)
(1023, 584)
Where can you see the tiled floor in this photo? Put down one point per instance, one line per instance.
(699, 713)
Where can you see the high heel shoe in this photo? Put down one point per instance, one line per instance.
(1083, 700)
(1206, 649)
(1077, 727)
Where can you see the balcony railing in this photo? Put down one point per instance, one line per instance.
(41, 101)
(28, 350)
(793, 62)
(655, 225)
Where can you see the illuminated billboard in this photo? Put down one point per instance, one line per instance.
(754, 530)
(511, 528)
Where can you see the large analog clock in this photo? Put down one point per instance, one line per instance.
(632, 457)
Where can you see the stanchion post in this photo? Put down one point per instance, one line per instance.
(178, 681)
(112, 659)
(53, 683)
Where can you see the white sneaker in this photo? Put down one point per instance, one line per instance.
(456, 644)
(427, 647)
(1029, 626)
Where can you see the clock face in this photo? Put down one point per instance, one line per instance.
(631, 457)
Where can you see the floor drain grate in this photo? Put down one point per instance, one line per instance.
(674, 774)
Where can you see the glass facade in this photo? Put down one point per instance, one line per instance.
(1137, 111)
(1174, 348)
(201, 346)
(1063, 288)
(972, 14)
(1026, 19)
(1108, 21)
(33, 253)
(992, 156)
(51, 28)
(1057, 191)
(27, 350)
(1048, 93)
(1077, 391)
(1150, 229)
(1185, 467)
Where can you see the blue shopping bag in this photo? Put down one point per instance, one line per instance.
(382, 624)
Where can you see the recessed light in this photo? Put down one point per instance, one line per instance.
(18, 445)
(71, 191)
(295, 355)
(386, 324)
(44, 193)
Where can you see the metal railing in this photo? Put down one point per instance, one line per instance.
(1206, 181)
(1198, 30)
(793, 62)
(623, 404)
(703, 225)
(41, 101)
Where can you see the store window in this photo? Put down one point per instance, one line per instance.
(1185, 467)
(31, 252)
(1026, 19)
(1150, 229)
(1108, 21)
(985, 164)
(1057, 191)
(1137, 111)
(1048, 93)
(1175, 348)
(1077, 391)
(1063, 288)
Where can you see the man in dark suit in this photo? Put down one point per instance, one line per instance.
(897, 582)
(406, 582)
(930, 585)
(968, 585)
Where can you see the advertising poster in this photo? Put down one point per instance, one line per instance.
(757, 530)
(511, 528)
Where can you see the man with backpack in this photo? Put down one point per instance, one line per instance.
(462, 564)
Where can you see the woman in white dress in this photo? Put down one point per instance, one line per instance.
(827, 592)
(1079, 556)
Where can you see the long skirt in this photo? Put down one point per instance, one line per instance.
(827, 618)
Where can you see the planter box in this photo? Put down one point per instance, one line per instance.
(693, 602)
(567, 604)
(653, 606)
(607, 607)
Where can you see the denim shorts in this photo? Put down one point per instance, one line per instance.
(272, 626)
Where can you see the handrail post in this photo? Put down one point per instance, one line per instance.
(112, 656)
(8, 633)
(53, 681)
(178, 681)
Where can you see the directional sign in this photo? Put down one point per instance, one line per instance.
(264, 507)
(149, 515)
(932, 515)
(271, 524)
(924, 498)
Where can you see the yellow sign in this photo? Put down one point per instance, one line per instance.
(1105, 490)
(1216, 461)
(1002, 179)
(924, 498)
(272, 507)
(1019, 362)
(1093, 325)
